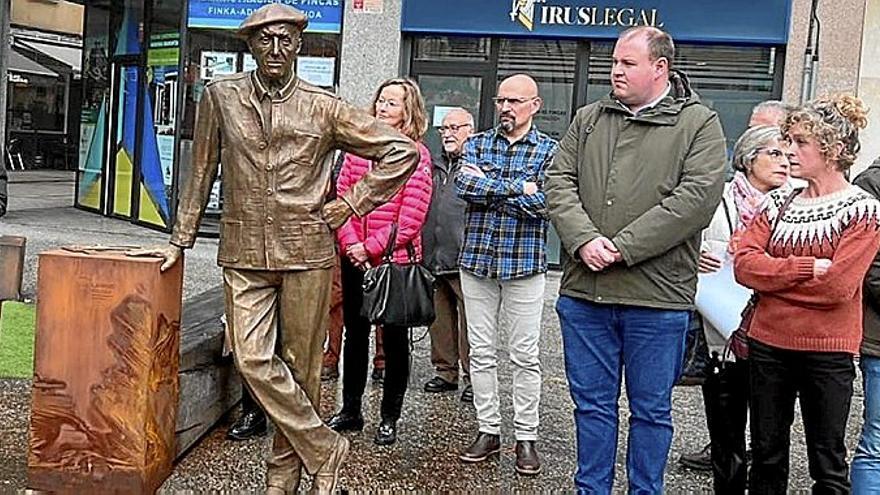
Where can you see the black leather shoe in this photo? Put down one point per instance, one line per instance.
(484, 446)
(387, 433)
(700, 461)
(467, 395)
(527, 462)
(249, 425)
(346, 421)
(437, 385)
(378, 376)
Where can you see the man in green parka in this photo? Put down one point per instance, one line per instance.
(636, 179)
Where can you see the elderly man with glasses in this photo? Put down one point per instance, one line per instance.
(442, 238)
(503, 264)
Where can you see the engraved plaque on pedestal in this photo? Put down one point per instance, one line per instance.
(105, 388)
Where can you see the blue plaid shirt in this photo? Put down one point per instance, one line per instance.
(506, 230)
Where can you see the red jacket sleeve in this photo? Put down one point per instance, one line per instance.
(346, 234)
(414, 202)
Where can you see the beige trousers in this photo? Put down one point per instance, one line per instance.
(287, 385)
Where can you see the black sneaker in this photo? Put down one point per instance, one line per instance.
(700, 461)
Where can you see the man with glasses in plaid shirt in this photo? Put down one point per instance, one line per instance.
(503, 264)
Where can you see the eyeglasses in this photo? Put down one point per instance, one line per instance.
(453, 128)
(501, 100)
(774, 153)
(389, 103)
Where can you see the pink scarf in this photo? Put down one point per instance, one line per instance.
(746, 198)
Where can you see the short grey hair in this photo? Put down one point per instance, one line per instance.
(470, 116)
(751, 142)
(771, 106)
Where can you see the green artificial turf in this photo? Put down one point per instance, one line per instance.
(17, 340)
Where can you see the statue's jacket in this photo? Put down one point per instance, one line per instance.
(276, 171)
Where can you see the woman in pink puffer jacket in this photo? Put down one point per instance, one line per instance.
(363, 240)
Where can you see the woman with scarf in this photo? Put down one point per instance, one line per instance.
(760, 164)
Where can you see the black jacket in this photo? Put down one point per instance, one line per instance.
(444, 229)
(4, 196)
(869, 180)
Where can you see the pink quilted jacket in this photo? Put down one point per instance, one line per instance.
(408, 208)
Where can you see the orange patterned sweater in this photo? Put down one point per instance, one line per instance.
(797, 310)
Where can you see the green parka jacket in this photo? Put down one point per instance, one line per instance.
(650, 182)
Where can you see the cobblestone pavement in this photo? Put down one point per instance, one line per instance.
(433, 427)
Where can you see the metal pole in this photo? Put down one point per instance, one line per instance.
(811, 56)
(4, 63)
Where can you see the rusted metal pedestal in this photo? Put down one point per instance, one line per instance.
(12, 250)
(105, 389)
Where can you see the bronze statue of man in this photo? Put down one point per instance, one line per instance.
(274, 135)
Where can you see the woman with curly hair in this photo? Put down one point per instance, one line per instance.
(807, 265)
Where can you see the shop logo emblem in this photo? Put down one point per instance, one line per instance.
(524, 12)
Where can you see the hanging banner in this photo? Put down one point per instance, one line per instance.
(325, 16)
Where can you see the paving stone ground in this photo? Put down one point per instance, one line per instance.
(433, 428)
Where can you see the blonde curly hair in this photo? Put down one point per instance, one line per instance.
(831, 121)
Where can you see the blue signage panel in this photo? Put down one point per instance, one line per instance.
(325, 16)
(718, 21)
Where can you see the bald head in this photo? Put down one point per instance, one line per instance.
(517, 102)
(520, 84)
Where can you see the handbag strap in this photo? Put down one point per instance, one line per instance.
(392, 240)
(727, 215)
(782, 209)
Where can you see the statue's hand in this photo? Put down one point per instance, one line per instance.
(335, 213)
(170, 253)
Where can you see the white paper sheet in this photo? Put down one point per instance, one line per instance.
(721, 300)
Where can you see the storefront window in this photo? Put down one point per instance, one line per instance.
(96, 96)
(129, 23)
(160, 113)
(449, 48)
(443, 93)
(37, 103)
(554, 72)
(212, 53)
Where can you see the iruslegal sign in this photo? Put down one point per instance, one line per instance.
(529, 12)
(717, 21)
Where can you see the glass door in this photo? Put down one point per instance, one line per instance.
(123, 111)
(443, 93)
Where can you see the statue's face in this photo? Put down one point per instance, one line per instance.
(274, 47)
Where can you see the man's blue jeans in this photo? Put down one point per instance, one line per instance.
(648, 345)
(865, 471)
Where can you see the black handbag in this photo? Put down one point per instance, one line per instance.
(399, 295)
(697, 362)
